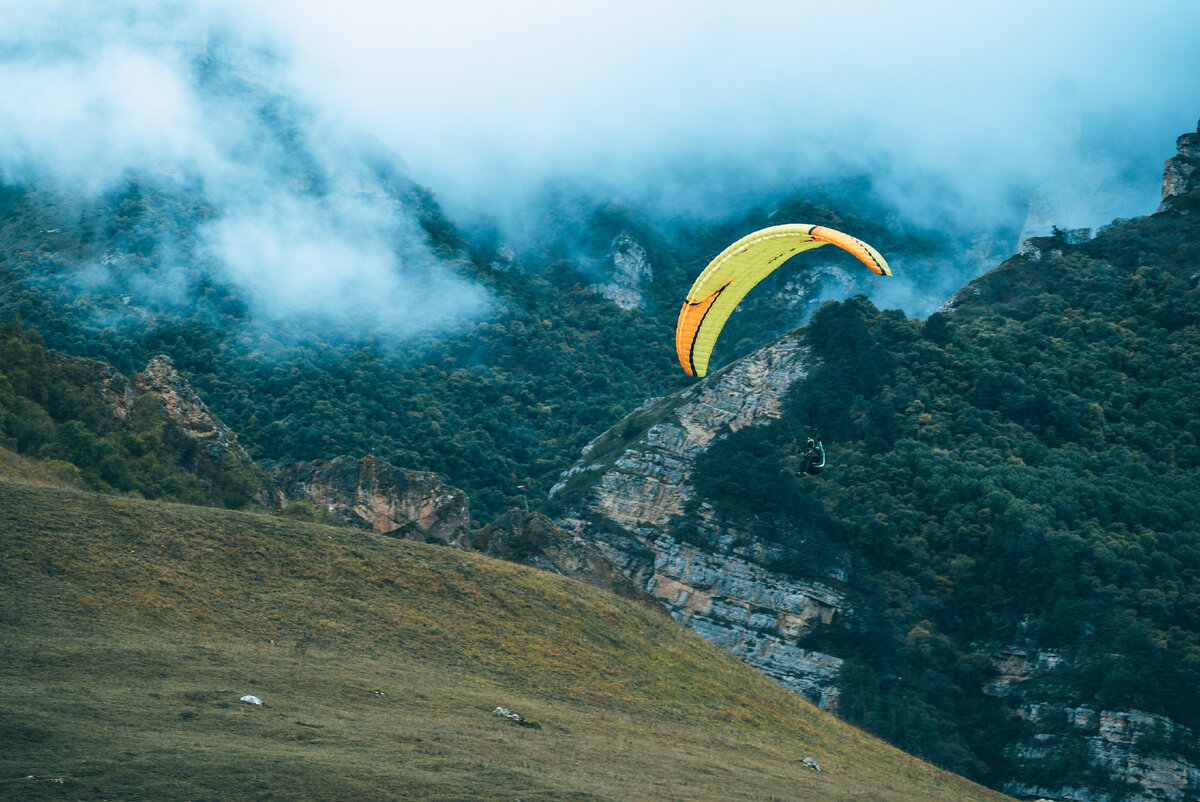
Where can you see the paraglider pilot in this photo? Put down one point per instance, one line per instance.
(814, 459)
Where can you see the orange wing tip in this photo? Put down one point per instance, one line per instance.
(861, 250)
(691, 318)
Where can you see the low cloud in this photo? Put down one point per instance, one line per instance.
(651, 98)
(83, 122)
(299, 223)
(304, 257)
(931, 114)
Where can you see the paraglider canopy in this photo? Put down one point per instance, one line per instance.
(734, 272)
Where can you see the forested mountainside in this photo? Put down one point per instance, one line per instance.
(491, 362)
(1000, 568)
(504, 399)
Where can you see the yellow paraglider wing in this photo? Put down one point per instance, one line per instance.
(735, 271)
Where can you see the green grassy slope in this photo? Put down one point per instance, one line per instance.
(130, 629)
(16, 468)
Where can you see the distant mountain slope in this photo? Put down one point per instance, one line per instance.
(132, 629)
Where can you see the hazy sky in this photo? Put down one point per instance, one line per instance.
(687, 108)
(476, 96)
(479, 95)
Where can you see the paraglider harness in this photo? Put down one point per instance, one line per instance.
(814, 455)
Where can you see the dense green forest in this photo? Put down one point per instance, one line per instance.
(52, 411)
(1023, 467)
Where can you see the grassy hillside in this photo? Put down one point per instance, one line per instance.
(132, 628)
(21, 469)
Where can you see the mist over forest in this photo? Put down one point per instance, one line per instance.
(931, 123)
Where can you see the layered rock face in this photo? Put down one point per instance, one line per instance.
(722, 588)
(1149, 757)
(723, 592)
(649, 480)
(1129, 748)
(369, 493)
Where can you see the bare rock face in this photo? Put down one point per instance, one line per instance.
(371, 494)
(646, 483)
(1181, 174)
(631, 271)
(188, 412)
(1152, 756)
(1144, 754)
(630, 485)
(724, 593)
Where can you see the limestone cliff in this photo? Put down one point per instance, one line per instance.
(636, 477)
(369, 493)
(1148, 757)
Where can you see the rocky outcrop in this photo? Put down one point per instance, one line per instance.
(631, 272)
(1181, 174)
(371, 494)
(1135, 756)
(723, 592)
(1148, 757)
(633, 481)
(188, 413)
(206, 446)
(642, 484)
